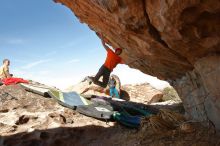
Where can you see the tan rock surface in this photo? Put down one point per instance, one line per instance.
(86, 88)
(140, 93)
(170, 39)
(27, 119)
(143, 93)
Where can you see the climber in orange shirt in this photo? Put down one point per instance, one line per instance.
(112, 60)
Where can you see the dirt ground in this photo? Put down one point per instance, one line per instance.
(27, 119)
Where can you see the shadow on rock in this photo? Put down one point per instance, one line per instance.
(79, 136)
(115, 135)
(125, 95)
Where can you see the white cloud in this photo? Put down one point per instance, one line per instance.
(59, 82)
(49, 78)
(18, 60)
(71, 44)
(16, 41)
(128, 75)
(73, 61)
(93, 50)
(36, 63)
(22, 74)
(50, 53)
(75, 42)
(44, 72)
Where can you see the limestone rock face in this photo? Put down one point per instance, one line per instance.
(143, 93)
(174, 40)
(200, 90)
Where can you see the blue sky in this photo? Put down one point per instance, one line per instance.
(46, 42)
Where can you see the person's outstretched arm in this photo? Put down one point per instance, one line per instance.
(103, 41)
(105, 46)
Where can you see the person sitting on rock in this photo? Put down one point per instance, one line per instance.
(112, 60)
(112, 88)
(4, 70)
(6, 78)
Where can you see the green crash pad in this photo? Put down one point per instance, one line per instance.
(96, 110)
(120, 106)
(37, 89)
(68, 99)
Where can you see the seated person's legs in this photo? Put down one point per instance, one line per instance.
(116, 93)
(111, 91)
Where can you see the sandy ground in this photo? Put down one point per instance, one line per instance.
(27, 119)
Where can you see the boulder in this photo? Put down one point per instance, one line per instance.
(174, 40)
(85, 88)
(143, 93)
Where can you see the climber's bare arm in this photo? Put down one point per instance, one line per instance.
(105, 46)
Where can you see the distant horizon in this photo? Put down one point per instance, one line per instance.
(46, 43)
(120, 72)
